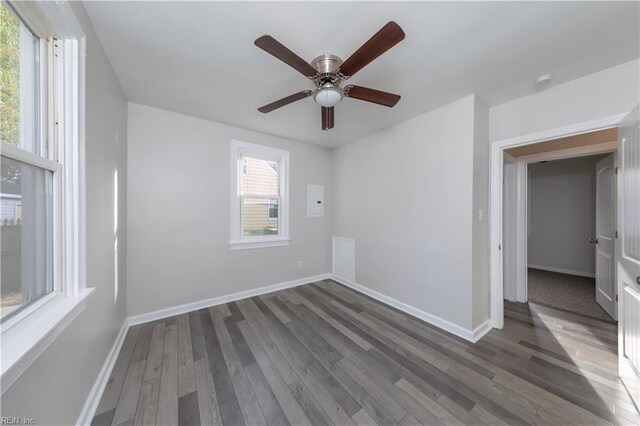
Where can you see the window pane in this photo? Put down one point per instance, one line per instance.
(256, 217)
(26, 234)
(259, 177)
(18, 70)
(273, 209)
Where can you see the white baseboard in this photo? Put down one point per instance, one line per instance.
(481, 330)
(200, 304)
(562, 271)
(467, 334)
(91, 404)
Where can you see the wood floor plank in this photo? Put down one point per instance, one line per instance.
(291, 409)
(147, 409)
(188, 411)
(298, 358)
(206, 392)
(336, 324)
(104, 419)
(362, 418)
(364, 397)
(227, 400)
(186, 377)
(314, 341)
(198, 349)
(397, 366)
(283, 366)
(271, 409)
(244, 392)
(312, 408)
(368, 370)
(111, 393)
(168, 392)
(141, 349)
(275, 309)
(409, 420)
(242, 349)
(456, 390)
(313, 361)
(442, 416)
(325, 354)
(128, 401)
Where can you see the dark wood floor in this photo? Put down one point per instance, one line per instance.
(324, 354)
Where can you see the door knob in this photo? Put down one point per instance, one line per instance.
(592, 241)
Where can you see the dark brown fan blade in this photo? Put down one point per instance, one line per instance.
(284, 101)
(390, 35)
(327, 118)
(372, 95)
(277, 49)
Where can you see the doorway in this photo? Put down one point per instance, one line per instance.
(559, 223)
(570, 234)
(583, 139)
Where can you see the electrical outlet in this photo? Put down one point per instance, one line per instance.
(300, 265)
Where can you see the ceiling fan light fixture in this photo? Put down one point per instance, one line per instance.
(328, 95)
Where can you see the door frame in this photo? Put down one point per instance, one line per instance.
(496, 193)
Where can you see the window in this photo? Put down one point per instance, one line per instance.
(27, 172)
(259, 205)
(41, 217)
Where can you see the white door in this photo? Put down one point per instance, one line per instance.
(628, 271)
(605, 230)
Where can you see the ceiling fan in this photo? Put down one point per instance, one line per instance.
(328, 71)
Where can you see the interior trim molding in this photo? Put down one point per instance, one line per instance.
(91, 404)
(471, 335)
(207, 303)
(562, 270)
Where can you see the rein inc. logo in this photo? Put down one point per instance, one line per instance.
(15, 420)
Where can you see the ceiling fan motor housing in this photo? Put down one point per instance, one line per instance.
(327, 66)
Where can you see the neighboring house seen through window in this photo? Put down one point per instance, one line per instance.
(273, 210)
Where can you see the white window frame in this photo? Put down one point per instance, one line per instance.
(239, 241)
(25, 336)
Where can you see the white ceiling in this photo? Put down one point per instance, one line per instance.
(199, 58)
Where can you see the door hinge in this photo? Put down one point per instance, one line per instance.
(616, 233)
(616, 170)
(616, 297)
(499, 246)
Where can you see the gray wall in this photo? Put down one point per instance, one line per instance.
(480, 284)
(54, 389)
(179, 213)
(562, 196)
(405, 195)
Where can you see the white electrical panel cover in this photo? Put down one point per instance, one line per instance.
(315, 200)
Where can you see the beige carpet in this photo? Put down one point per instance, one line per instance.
(568, 292)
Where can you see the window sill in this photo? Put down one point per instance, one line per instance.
(25, 341)
(248, 245)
